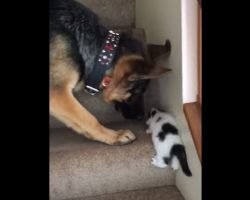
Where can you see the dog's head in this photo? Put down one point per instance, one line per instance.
(130, 79)
(133, 108)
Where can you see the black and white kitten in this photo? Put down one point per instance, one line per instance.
(167, 143)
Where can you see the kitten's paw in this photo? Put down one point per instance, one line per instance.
(160, 165)
(153, 161)
(148, 131)
(156, 163)
(175, 167)
(175, 164)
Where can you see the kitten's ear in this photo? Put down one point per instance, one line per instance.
(153, 112)
(154, 74)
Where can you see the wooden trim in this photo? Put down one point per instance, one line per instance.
(200, 2)
(193, 110)
(193, 116)
(199, 97)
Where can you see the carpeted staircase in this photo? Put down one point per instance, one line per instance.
(81, 169)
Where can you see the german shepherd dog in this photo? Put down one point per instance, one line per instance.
(76, 40)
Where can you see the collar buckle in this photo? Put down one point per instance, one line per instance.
(90, 90)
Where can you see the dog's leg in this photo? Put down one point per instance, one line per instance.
(67, 109)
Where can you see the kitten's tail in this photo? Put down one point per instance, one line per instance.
(179, 151)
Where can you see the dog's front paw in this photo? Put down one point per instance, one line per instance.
(125, 137)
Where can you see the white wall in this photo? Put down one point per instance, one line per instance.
(163, 19)
(189, 50)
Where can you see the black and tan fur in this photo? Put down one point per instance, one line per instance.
(75, 39)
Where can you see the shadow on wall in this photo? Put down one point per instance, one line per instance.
(153, 95)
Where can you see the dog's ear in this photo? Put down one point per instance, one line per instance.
(154, 74)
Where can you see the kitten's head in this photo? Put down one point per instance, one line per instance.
(152, 112)
(151, 115)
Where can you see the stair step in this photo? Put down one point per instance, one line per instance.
(160, 193)
(80, 167)
(113, 13)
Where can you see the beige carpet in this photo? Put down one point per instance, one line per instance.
(80, 167)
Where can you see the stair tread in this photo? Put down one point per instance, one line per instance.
(160, 193)
(80, 166)
(113, 13)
